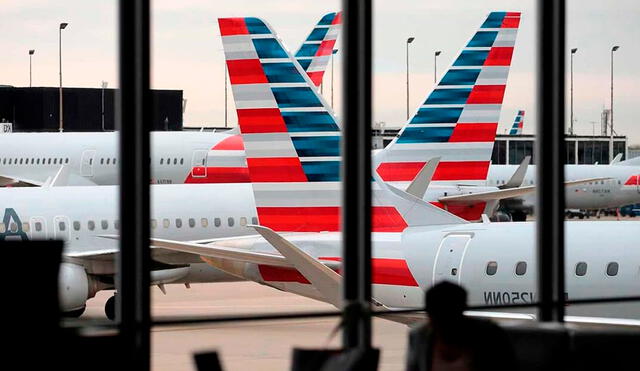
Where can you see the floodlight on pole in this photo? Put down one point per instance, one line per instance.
(573, 51)
(332, 54)
(104, 85)
(613, 49)
(31, 52)
(435, 65)
(63, 25)
(409, 41)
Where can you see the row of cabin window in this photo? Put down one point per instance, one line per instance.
(580, 271)
(104, 224)
(175, 161)
(108, 161)
(601, 182)
(34, 161)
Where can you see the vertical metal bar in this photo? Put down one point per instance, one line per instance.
(550, 148)
(61, 118)
(356, 173)
(225, 94)
(135, 120)
(611, 111)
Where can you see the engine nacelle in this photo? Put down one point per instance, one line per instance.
(75, 287)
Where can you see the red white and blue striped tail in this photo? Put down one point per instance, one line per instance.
(316, 50)
(459, 118)
(290, 135)
(518, 124)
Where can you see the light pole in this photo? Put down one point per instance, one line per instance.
(332, 54)
(613, 49)
(104, 86)
(573, 51)
(62, 27)
(31, 51)
(409, 41)
(435, 65)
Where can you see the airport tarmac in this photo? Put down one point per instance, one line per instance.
(259, 345)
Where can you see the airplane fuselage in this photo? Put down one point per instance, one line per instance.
(93, 158)
(602, 261)
(623, 187)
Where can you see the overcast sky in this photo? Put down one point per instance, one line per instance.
(187, 52)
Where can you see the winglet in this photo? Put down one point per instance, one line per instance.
(518, 177)
(415, 211)
(420, 183)
(325, 280)
(60, 179)
(616, 159)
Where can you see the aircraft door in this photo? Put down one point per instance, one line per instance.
(449, 258)
(61, 228)
(199, 164)
(86, 162)
(38, 228)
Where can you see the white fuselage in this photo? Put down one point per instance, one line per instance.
(83, 216)
(611, 193)
(93, 158)
(406, 264)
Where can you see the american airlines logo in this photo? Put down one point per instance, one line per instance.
(12, 226)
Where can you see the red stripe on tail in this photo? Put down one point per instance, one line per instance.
(232, 26)
(454, 170)
(261, 120)
(474, 133)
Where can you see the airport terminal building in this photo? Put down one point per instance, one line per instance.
(511, 149)
(85, 109)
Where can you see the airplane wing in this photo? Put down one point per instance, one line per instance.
(61, 178)
(325, 280)
(502, 194)
(14, 181)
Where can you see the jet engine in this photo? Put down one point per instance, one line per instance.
(75, 287)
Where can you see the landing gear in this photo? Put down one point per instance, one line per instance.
(110, 308)
(74, 313)
(518, 216)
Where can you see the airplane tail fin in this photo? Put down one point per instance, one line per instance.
(459, 118)
(316, 50)
(518, 123)
(291, 138)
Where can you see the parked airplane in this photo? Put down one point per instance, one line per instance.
(415, 243)
(29, 159)
(518, 124)
(619, 186)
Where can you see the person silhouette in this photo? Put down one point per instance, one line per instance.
(452, 341)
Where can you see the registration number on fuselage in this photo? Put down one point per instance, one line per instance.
(508, 297)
